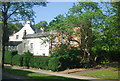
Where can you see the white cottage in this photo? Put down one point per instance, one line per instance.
(16, 39)
(27, 29)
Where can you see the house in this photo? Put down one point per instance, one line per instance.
(37, 41)
(27, 29)
(16, 39)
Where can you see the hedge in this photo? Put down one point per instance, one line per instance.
(39, 62)
(8, 56)
(55, 64)
(17, 60)
(63, 62)
(26, 60)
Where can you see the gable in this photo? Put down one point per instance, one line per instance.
(19, 35)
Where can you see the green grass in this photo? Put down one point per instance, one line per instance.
(110, 73)
(41, 76)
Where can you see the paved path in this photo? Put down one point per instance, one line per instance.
(63, 75)
(12, 77)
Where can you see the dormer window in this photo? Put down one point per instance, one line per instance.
(17, 36)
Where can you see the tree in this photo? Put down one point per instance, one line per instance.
(16, 11)
(0, 44)
(89, 16)
(12, 28)
(19, 25)
(41, 24)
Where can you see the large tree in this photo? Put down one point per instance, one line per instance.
(16, 11)
(41, 24)
(88, 16)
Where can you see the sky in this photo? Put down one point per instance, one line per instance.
(52, 9)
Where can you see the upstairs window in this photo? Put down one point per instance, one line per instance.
(17, 36)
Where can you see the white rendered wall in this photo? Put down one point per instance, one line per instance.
(39, 48)
(26, 27)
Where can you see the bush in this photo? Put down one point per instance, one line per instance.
(26, 61)
(26, 58)
(64, 57)
(17, 60)
(8, 56)
(27, 54)
(59, 50)
(66, 61)
(55, 64)
(14, 52)
(39, 62)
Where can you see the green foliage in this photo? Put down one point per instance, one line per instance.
(8, 56)
(39, 76)
(26, 58)
(62, 62)
(41, 24)
(110, 73)
(27, 54)
(12, 28)
(64, 58)
(59, 50)
(55, 64)
(39, 62)
(17, 60)
(23, 9)
(26, 61)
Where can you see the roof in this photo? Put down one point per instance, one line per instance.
(13, 43)
(36, 29)
(41, 34)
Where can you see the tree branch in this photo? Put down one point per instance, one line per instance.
(12, 13)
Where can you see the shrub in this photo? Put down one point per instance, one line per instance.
(63, 62)
(14, 52)
(39, 62)
(8, 56)
(64, 57)
(55, 64)
(28, 54)
(26, 61)
(26, 58)
(17, 60)
(59, 50)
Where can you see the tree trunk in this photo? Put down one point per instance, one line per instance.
(1, 43)
(4, 36)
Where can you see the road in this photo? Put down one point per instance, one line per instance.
(9, 78)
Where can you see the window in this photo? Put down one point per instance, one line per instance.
(31, 45)
(17, 36)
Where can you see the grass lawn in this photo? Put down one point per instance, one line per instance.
(41, 76)
(110, 73)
